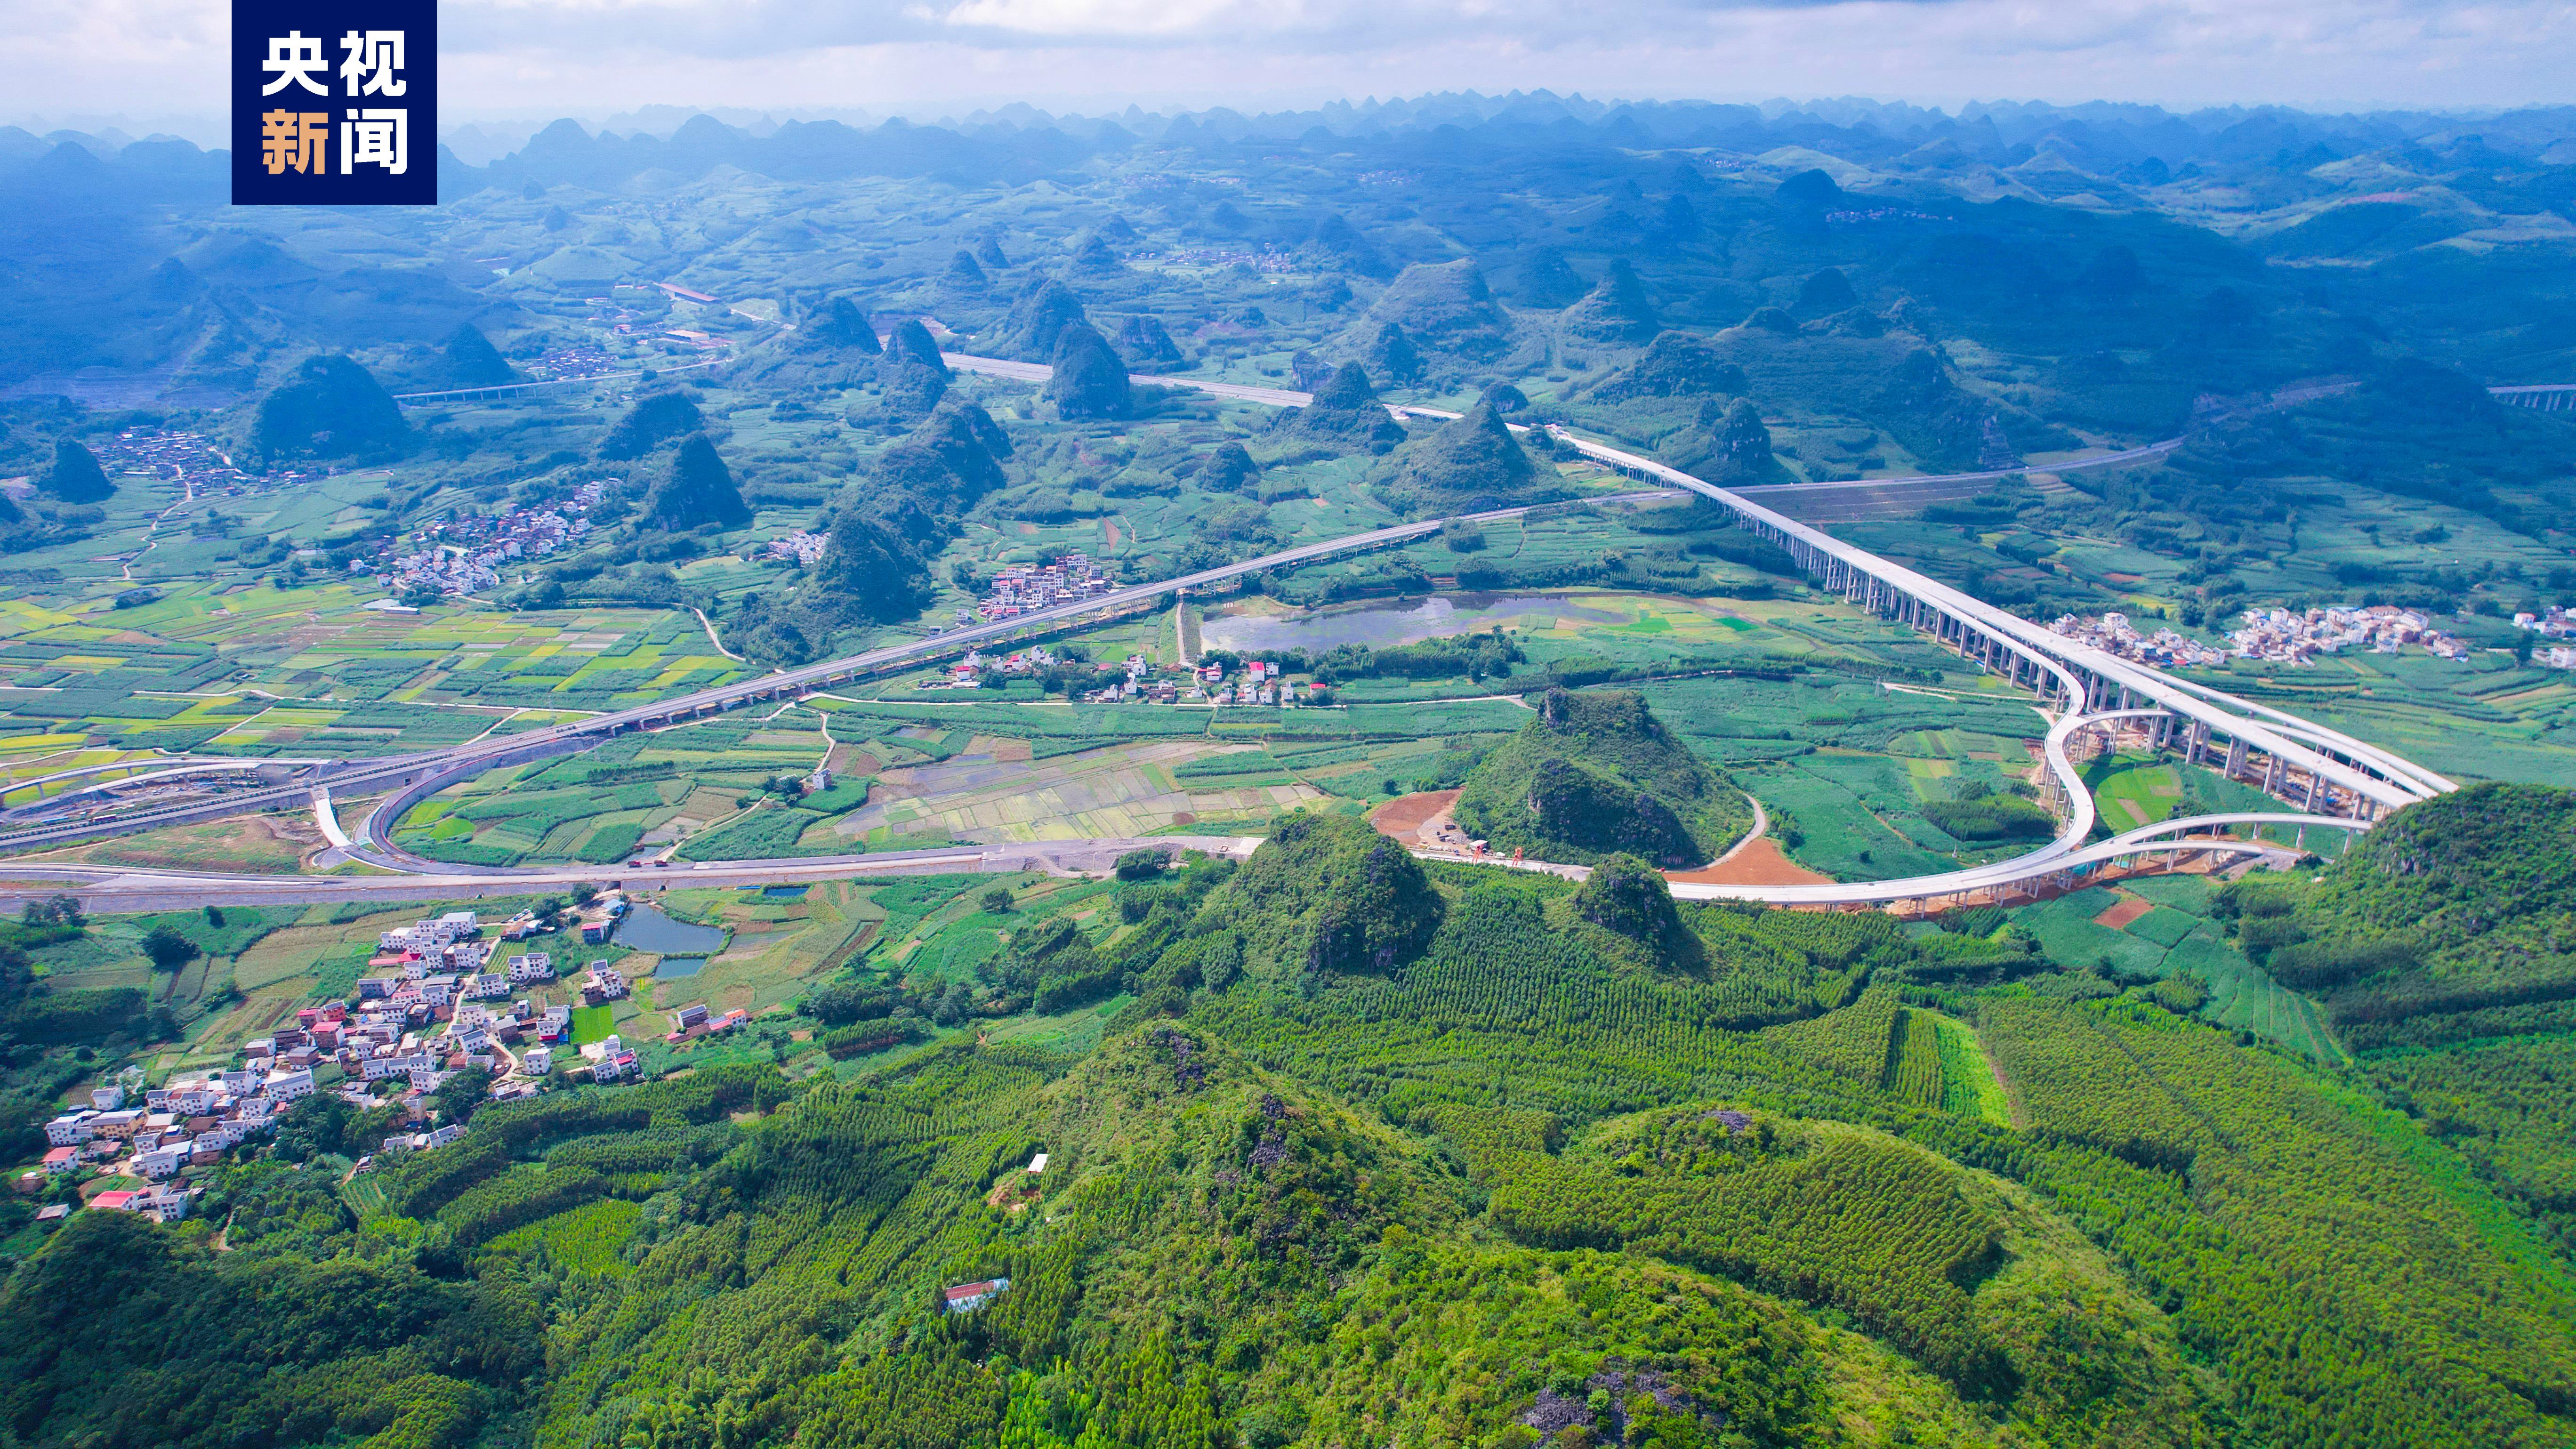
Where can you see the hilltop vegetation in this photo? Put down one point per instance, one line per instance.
(330, 407)
(1367, 1147)
(1345, 1148)
(1596, 774)
(2460, 912)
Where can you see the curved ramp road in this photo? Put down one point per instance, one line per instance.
(2344, 783)
(2061, 869)
(410, 772)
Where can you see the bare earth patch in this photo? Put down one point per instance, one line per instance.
(2121, 912)
(1757, 862)
(264, 843)
(1405, 815)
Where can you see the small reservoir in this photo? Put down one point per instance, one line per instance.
(646, 928)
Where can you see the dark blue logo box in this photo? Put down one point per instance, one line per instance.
(335, 104)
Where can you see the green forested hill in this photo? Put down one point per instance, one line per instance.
(2444, 952)
(2454, 918)
(1597, 773)
(1374, 1153)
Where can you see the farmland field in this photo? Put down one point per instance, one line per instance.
(2178, 937)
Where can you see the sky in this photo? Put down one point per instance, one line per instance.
(157, 64)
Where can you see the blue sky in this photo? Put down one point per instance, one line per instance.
(159, 60)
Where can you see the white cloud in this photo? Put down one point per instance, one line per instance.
(595, 57)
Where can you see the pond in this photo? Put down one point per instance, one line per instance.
(675, 967)
(1384, 623)
(647, 929)
(784, 892)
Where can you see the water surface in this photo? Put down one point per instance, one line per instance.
(647, 929)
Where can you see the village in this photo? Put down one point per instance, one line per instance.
(439, 999)
(1026, 588)
(189, 459)
(1139, 679)
(2283, 636)
(2114, 635)
(2553, 622)
(465, 555)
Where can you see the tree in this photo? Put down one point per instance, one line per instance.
(75, 476)
(1229, 469)
(1143, 864)
(314, 1125)
(655, 419)
(868, 572)
(168, 949)
(468, 359)
(458, 1096)
(995, 901)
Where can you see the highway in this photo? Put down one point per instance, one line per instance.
(2022, 874)
(136, 888)
(2089, 690)
(408, 771)
(2332, 760)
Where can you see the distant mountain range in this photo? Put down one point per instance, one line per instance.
(2139, 143)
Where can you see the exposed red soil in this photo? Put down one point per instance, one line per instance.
(1405, 815)
(1760, 863)
(2121, 912)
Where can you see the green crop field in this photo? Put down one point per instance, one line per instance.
(2177, 937)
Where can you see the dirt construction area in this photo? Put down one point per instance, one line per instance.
(1756, 862)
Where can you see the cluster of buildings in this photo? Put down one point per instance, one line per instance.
(1141, 680)
(192, 1121)
(2283, 636)
(1269, 258)
(1140, 683)
(801, 547)
(466, 555)
(2552, 622)
(691, 1022)
(190, 459)
(1026, 588)
(2113, 634)
(1258, 682)
(969, 672)
(587, 360)
(446, 1001)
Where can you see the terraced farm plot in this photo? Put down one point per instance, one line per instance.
(585, 1241)
(2173, 937)
(2130, 792)
(267, 844)
(777, 948)
(1124, 790)
(1834, 832)
(264, 670)
(1968, 1083)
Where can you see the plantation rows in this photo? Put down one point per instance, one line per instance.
(2353, 1288)
(1865, 1224)
(1914, 1068)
